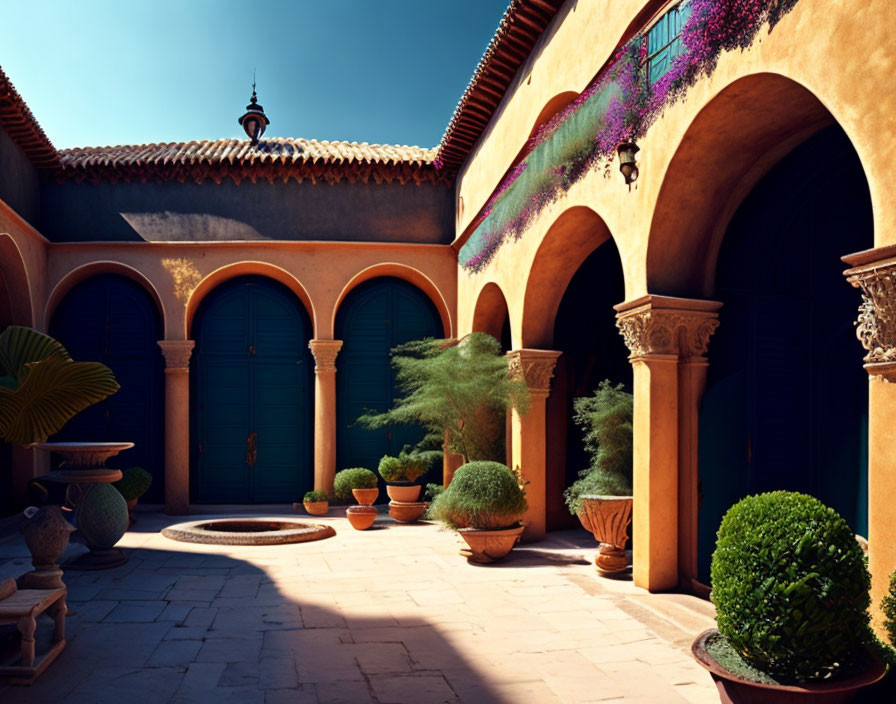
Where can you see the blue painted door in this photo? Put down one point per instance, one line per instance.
(252, 410)
(113, 320)
(374, 318)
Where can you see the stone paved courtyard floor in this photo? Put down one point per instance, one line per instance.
(392, 614)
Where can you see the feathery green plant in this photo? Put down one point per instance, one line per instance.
(461, 387)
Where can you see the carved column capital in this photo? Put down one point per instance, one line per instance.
(876, 323)
(177, 354)
(535, 367)
(325, 352)
(661, 325)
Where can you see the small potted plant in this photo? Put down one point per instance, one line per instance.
(316, 503)
(401, 472)
(359, 483)
(791, 591)
(483, 503)
(134, 483)
(602, 495)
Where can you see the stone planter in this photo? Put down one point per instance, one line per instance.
(489, 545)
(407, 511)
(361, 517)
(365, 497)
(316, 508)
(46, 534)
(609, 518)
(404, 493)
(583, 519)
(734, 689)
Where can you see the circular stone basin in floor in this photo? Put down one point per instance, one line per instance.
(247, 531)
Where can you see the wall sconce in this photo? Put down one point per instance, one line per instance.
(254, 121)
(627, 164)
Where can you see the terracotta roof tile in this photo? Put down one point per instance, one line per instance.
(520, 28)
(18, 122)
(272, 159)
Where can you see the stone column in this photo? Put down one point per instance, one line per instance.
(535, 367)
(660, 332)
(874, 273)
(325, 352)
(177, 425)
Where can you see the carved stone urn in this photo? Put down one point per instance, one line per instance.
(46, 534)
(609, 518)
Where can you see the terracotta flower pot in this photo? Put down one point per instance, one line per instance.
(365, 497)
(316, 508)
(583, 519)
(489, 545)
(404, 493)
(609, 518)
(407, 511)
(734, 689)
(361, 517)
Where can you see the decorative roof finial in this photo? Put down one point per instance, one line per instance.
(254, 121)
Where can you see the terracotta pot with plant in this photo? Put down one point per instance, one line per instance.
(791, 591)
(602, 495)
(356, 482)
(316, 503)
(134, 483)
(484, 504)
(402, 471)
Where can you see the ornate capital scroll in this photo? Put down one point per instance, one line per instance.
(876, 323)
(177, 354)
(325, 352)
(535, 367)
(660, 325)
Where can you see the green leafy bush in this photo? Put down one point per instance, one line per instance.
(888, 606)
(408, 467)
(134, 483)
(459, 387)
(790, 586)
(312, 496)
(432, 491)
(481, 495)
(353, 478)
(606, 419)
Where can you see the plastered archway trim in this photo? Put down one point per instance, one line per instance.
(230, 271)
(406, 273)
(490, 310)
(88, 271)
(18, 283)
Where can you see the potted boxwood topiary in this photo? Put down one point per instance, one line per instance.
(316, 503)
(602, 495)
(401, 472)
(134, 483)
(790, 588)
(484, 503)
(360, 483)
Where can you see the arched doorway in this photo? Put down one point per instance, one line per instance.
(111, 319)
(592, 350)
(252, 396)
(491, 315)
(375, 317)
(786, 402)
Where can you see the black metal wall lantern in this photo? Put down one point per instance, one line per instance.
(627, 164)
(254, 121)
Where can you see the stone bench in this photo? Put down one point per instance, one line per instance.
(21, 607)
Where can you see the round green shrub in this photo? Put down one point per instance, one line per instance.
(790, 586)
(353, 478)
(312, 496)
(888, 606)
(408, 467)
(134, 483)
(481, 495)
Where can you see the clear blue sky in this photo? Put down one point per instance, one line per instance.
(101, 72)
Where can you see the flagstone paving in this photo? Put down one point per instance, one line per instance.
(389, 615)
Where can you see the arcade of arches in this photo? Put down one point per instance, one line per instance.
(713, 290)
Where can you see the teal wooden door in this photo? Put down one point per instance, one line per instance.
(374, 318)
(253, 395)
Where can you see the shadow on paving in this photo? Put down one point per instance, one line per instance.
(179, 627)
